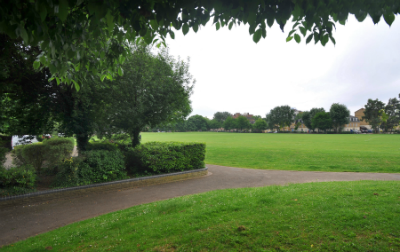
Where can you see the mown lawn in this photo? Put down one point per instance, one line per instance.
(301, 152)
(330, 216)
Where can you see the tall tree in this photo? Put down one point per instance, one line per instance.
(260, 125)
(230, 123)
(340, 116)
(280, 117)
(392, 110)
(154, 89)
(75, 34)
(373, 113)
(221, 116)
(307, 119)
(214, 124)
(198, 122)
(322, 121)
(242, 123)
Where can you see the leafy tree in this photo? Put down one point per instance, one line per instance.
(340, 115)
(242, 123)
(214, 124)
(373, 113)
(280, 117)
(87, 35)
(260, 125)
(221, 116)
(197, 122)
(230, 123)
(322, 121)
(155, 89)
(306, 118)
(392, 111)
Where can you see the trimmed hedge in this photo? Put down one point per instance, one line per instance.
(101, 146)
(165, 157)
(54, 151)
(17, 180)
(90, 167)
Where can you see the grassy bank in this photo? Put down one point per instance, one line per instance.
(302, 152)
(332, 216)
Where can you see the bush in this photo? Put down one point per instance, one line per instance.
(94, 166)
(165, 157)
(57, 150)
(3, 152)
(17, 180)
(102, 146)
(33, 154)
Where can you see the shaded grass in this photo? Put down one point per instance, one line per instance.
(329, 216)
(301, 152)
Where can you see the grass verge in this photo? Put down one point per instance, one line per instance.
(329, 216)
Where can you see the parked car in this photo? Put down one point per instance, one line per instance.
(22, 139)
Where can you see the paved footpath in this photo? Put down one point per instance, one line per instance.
(22, 221)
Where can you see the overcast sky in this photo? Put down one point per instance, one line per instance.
(236, 75)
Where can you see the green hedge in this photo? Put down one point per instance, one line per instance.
(102, 146)
(17, 180)
(165, 157)
(90, 167)
(53, 151)
(3, 152)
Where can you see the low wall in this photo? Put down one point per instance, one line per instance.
(41, 196)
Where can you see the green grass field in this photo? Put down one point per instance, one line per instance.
(301, 152)
(330, 216)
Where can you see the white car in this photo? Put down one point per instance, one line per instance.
(22, 139)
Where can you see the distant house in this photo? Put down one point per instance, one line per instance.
(249, 117)
(354, 124)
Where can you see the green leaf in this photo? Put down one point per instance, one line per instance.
(309, 38)
(23, 34)
(332, 39)
(325, 39)
(217, 26)
(257, 36)
(289, 38)
(172, 34)
(120, 71)
(264, 32)
(58, 80)
(291, 32)
(63, 10)
(270, 21)
(389, 18)
(303, 31)
(102, 77)
(297, 38)
(230, 25)
(154, 24)
(43, 12)
(110, 21)
(77, 87)
(195, 28)
(36, 65)
(185, 29)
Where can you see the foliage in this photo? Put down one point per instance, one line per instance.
(243, 123)
(196, 123)
(33, 154)
(214, 124)
(154, 89)
(372, 113)
(102, 146)
(392, 110)
(95, 166)
(307, 119)
(329, 216)
(230, 123)
(339, 115)
(221, 116)
(17, 180)
(165, 157)
(62, 28)
(3, 152)
(280, 117)
(57, 149)
(322, 121)
(260, 125)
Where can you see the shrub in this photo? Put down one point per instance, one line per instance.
(92, 167)
(3, 152)
(17, 180)
(102, 146)
(57, 150)
(34, 154)
(165, 157)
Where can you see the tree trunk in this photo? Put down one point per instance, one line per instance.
(135, 137)
(82, 141)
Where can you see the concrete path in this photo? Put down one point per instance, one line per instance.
(22, 221)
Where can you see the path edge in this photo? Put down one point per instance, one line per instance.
(119, 184)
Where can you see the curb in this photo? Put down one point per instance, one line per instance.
(119, 184)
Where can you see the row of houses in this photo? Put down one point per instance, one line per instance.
(355, 122)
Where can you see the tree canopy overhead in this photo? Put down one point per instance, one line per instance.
(80, 36)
